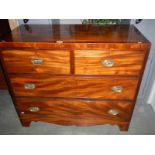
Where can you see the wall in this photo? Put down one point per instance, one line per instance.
(62, 21)
(36, 21)
(70, 21)
(52, 21)
(147, 28)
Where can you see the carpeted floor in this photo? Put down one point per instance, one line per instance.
(143, 123)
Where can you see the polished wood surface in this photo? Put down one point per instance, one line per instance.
(101, 88)
(72, 112)
(76, 34)
(111, 37)
(88, 62)
(78, 46)
(20, 61)
(74, 87)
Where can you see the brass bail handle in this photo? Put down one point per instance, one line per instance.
(113, 112)
(117, 89)
(108, 63)
(30, 86)
(34, 109)
(37, 61)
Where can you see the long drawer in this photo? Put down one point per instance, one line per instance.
(75, 112)
(37, 61)
(100, 62)
(74, 87)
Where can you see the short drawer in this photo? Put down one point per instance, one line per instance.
(37, 61)
(96, 62)
(74, 87)
(73, 112)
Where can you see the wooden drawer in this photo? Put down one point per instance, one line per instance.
(74, 87)
(99, 62)
(73, 112)
(37, 61)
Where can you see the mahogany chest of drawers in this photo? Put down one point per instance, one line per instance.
(74, 74)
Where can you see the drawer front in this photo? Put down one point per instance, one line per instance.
(95, 62)
(37, 61)
(73, 111)
(74, 87)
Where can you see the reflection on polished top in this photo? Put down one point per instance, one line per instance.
(76, 34)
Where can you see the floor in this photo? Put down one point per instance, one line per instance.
(143, 123)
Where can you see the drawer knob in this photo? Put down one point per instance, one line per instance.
(117, 89)
(108, 63)
(34, 109)
(29, 86)
(37, 61)
(113, 112)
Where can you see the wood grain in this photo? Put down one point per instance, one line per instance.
(72, 112)
(54, 61)
(71, 46)
(88, 62)
(74, 87)
(111, 37)
(81, 33)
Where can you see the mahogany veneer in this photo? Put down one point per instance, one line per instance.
(88, 62)
(77, 87)
(75, 74)
(56, 62)
(73, 112)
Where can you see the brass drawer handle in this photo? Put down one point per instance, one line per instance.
(113, 112)
(117, 89)
(108, 63)
(37, 61)
(59, 41)
(29, 86)
(34, 109)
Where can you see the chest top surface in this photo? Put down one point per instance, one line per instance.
(76, 34)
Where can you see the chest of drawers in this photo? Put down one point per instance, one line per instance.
(74, 74)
